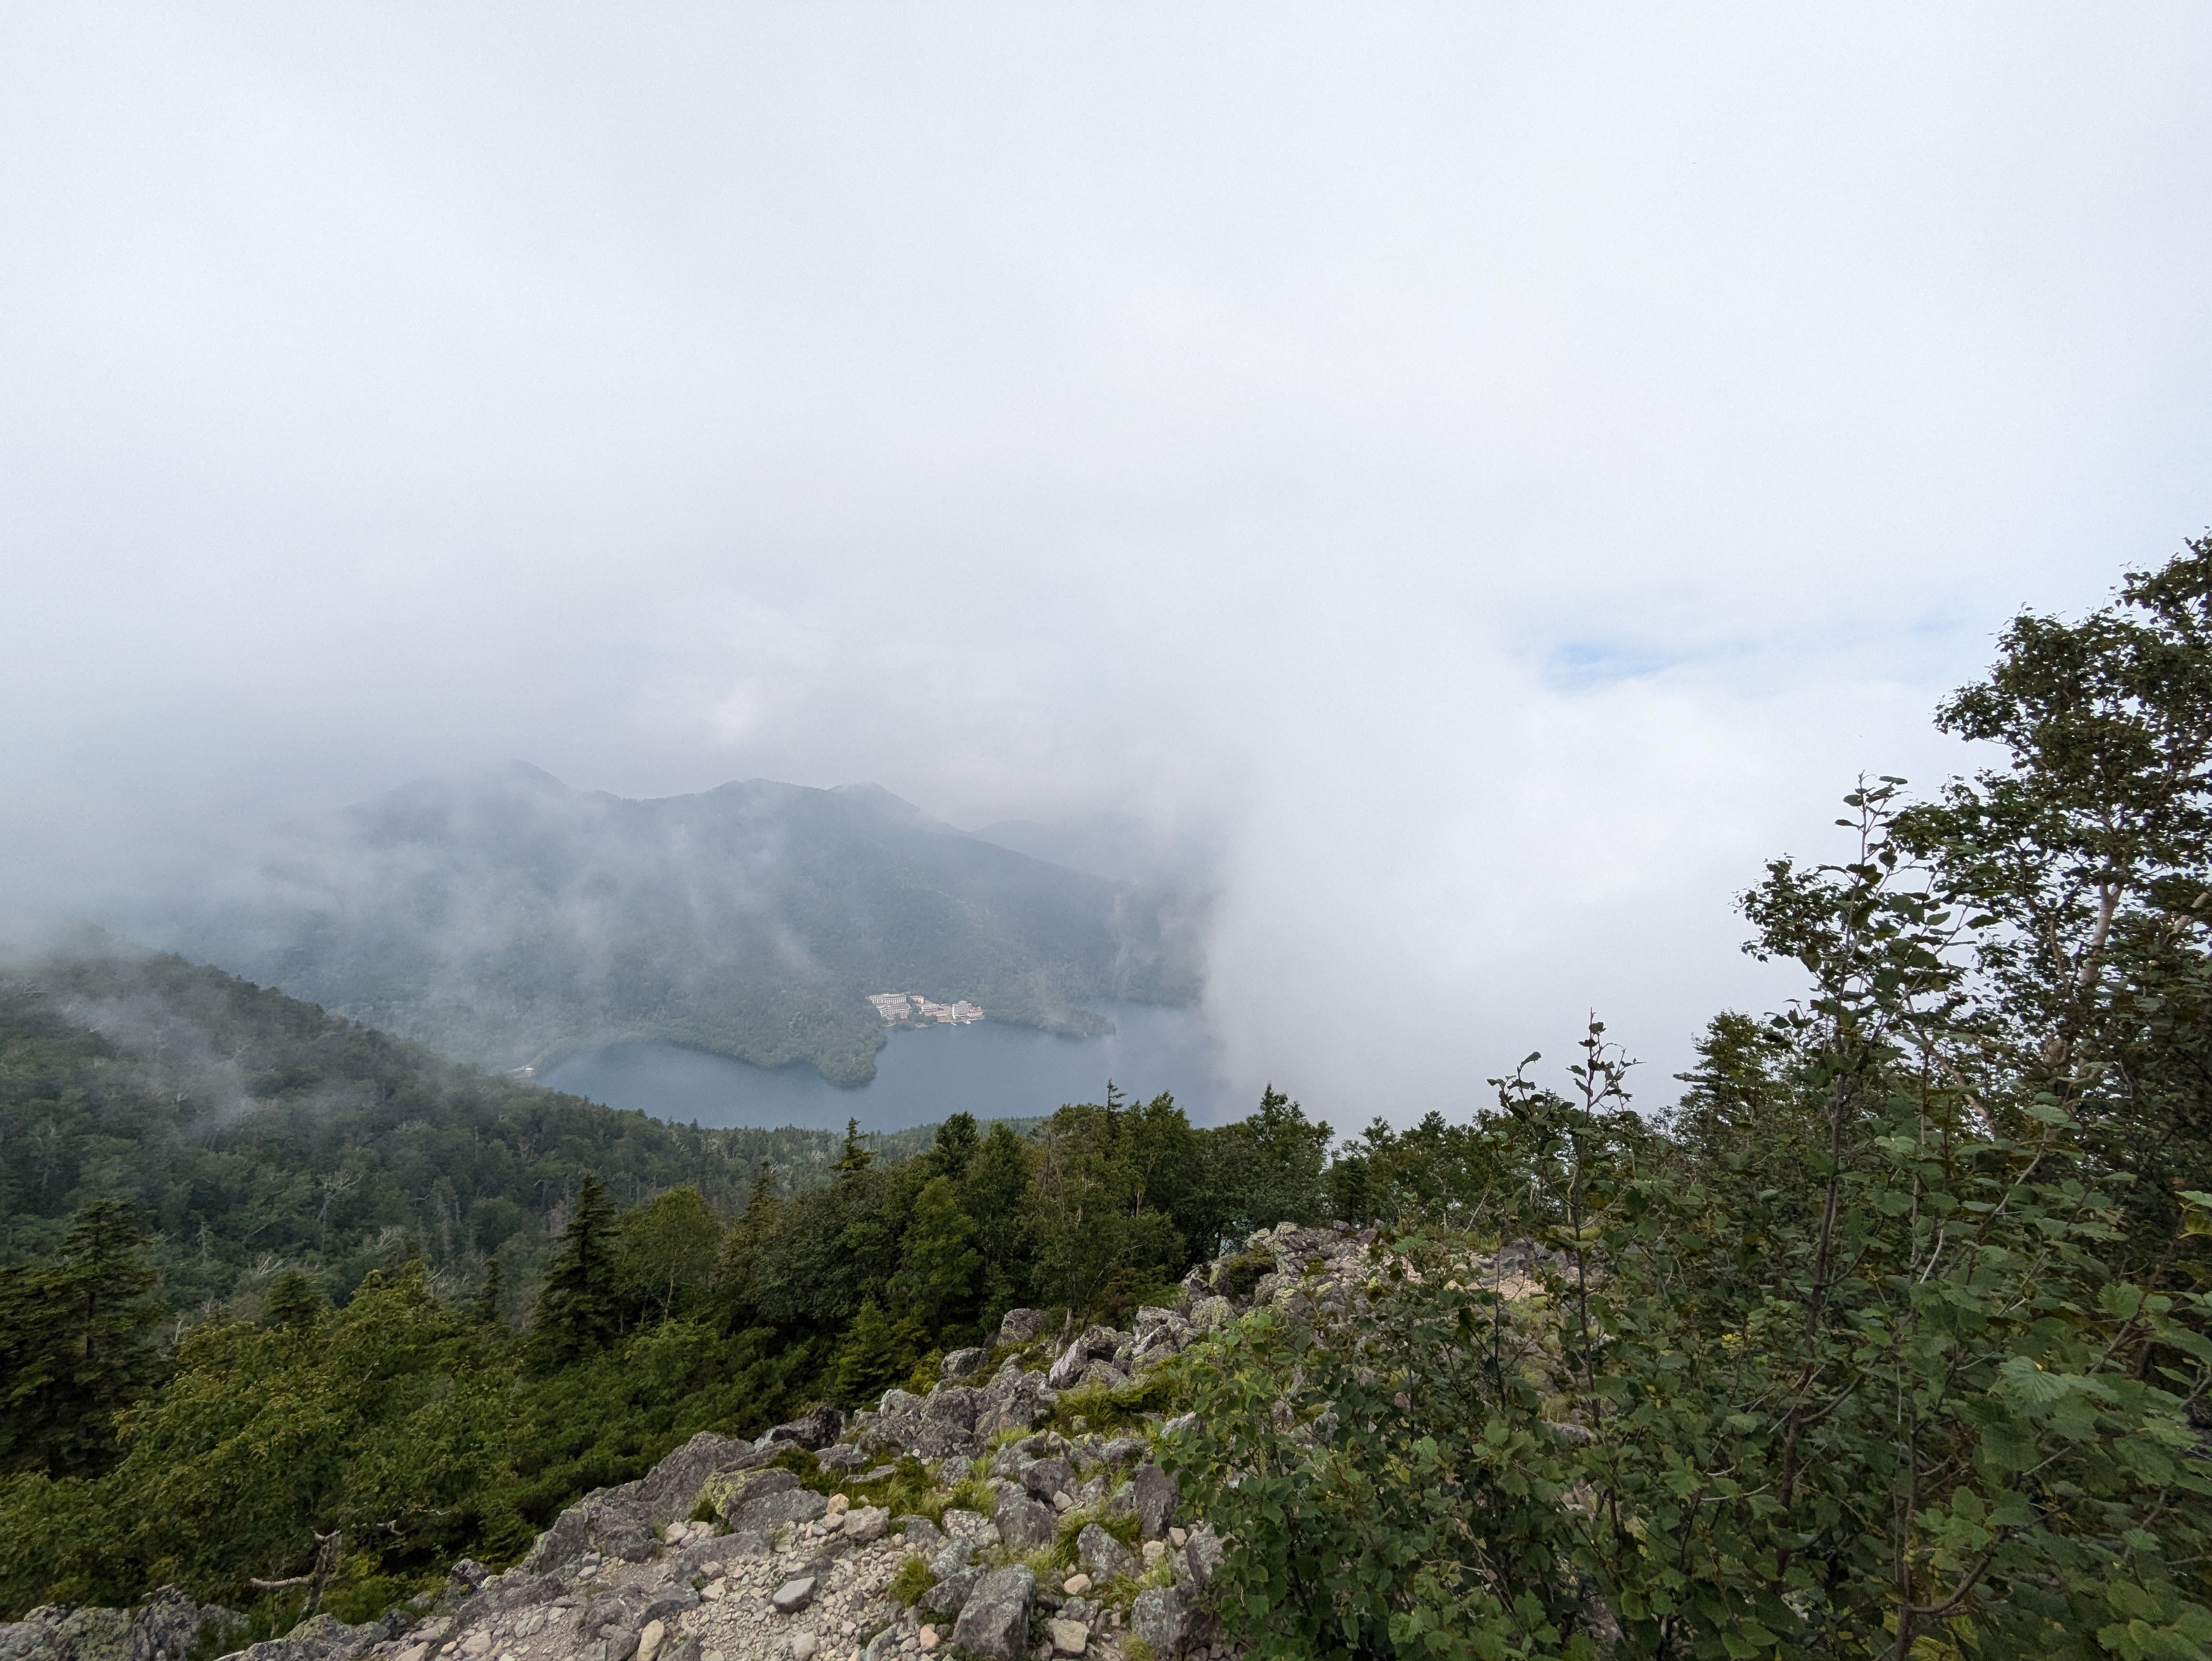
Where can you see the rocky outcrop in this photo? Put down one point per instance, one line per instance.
(167, 1627)
(798, 1567)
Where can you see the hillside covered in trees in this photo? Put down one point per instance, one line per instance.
(1889, 1339)
(507, 919)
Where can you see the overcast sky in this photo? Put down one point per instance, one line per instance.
(1502, 470)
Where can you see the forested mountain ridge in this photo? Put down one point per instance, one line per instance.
(254, 1133)
(510, 920)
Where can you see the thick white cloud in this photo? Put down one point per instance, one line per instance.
(1503, 473)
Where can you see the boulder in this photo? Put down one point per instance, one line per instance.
(1162, 1619)
(1104, 1556)
(964, 1363)
(1068, 1637)
(1153, 1495)
(1202, 1553)
(842, 1455)
(1069, 1368)
(949, 1595)
(771, 1511)
(812, 1431)
(670, 1489)
(1209, 1313)
(1023, 1326)
(730, 1494)
(1104, 1375)
(1046, 1477)
(994, 1626)
(953, 1404)
(1026, 1523)
(1100, 1342)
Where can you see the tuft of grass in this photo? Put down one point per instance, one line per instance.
(1163, 1391)
(1134, 1648)
(703, 1512)
(971, 1494)
(912, 1580)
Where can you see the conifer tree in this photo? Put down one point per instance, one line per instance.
(579, 1310)
(292, 1305)
(939, 1264)
(490, 1295)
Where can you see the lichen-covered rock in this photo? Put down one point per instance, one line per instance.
(1026, 1523)
(1211, 1312)
(730, 1494)
(994, 1626)
(963, 1363)
(1161, 1618)
(167, 1626)
(1025, 1326)
(1104, 1558)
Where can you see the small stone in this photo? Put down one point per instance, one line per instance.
(1062, 1500)
(839, 1504)
(1068, 1637)
(803, 1645)
(1178, 1538)
(1076, 1585)
(793, 1595)
(412, 1652)
(714, 1592)
(927, 1638)
(475, 1643)
(648, 1641)
(1154, 1550)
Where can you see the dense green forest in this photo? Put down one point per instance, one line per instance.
(1888, 1338)
(509, 920)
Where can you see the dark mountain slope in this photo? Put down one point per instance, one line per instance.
(256, 1132)
(510, 920)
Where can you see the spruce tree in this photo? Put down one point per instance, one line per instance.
(579, 1310)
(292, 1305)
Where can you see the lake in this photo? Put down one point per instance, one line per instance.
(992, 1069)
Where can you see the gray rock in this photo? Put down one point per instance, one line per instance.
(771, 1511)
(1100, 1342)
(1026, 1523)
(921, 1534)
(953, 1404)
(1023, 1326)
(1069, 1368)
(1211, 1312)
(670, 1490)
(864, 1524)
(167, 1626)
(1202, 1552)
(842, 1455)
(1104, 1558)
(1013, 1401)
(730, 1494)
(812, 1431)
(1122, 1450)
(950, 1594)
(1104, 1375)
(994, 1626)
(1161, 1619)
(964, 1363)
(950, 1558)
(667, 1604)
(1046, 1477)
(467, 1577)
(703, 1554)
(1153, 1494)
(793, 1595)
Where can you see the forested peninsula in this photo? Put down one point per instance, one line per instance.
(1887, 1337)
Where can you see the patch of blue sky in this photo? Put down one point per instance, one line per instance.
(1576, 665)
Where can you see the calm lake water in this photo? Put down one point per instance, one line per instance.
(992, 1070)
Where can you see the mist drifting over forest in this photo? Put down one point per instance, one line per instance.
(1471, 486)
